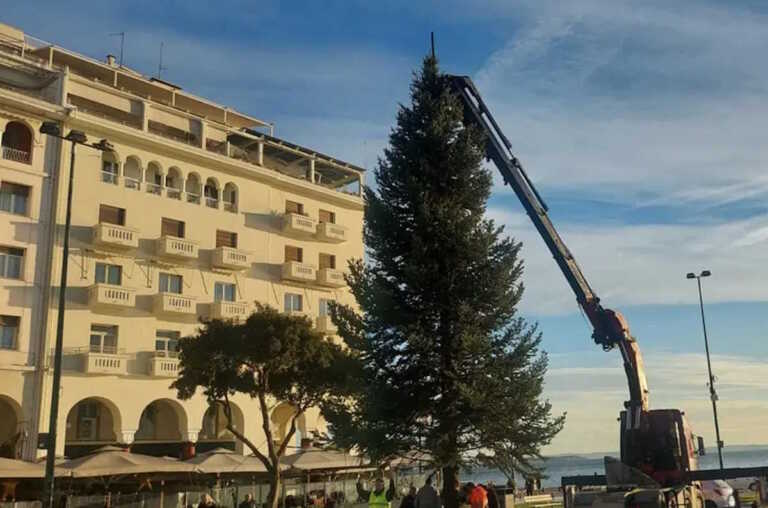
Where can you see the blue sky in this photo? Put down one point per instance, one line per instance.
(642, 124)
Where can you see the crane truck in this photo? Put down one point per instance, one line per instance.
(657, 449)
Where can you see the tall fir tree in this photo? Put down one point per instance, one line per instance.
(448, 366)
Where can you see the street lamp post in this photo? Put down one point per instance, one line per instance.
(76, 138)
(712, 392)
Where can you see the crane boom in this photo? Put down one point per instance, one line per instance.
(610, 329)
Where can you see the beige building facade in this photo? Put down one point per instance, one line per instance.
(198, 212)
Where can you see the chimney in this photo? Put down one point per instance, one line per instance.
(111, 61)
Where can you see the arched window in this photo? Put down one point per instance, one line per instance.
(154, 178)
(109, 168)
(173, 183)
(211, 192)
(17, 143)
(229, 196)
(192, 188)
(132, 173)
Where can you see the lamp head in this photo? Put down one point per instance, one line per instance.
(706, 273)
(50, 128)
(690, 275)
(76, 136)
(104, 146)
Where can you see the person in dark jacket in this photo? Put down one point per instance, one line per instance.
(409, 501)
(493, 499)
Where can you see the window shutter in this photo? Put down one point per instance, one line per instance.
(327, 261)
(171, 227)
(111, 215)
(326, 216)
(293, 253)
(294, 207)
(226, 239)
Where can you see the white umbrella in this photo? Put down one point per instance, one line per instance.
(113, 461)
(222, 460)
(18, 469)
(318, 459)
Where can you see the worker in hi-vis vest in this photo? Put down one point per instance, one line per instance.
(377, 498)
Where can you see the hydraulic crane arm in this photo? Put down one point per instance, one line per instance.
(610, 329)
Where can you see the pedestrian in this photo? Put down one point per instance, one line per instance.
(478, 497)
(428, 497)
(409, 501)
(378, 497)
(248, 502)
(493, 499)
(206, 501)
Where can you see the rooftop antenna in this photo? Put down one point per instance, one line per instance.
(160, 66)
(432, 39)
(122, 44)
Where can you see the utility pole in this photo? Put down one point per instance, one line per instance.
(712, 392)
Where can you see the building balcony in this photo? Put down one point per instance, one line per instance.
(16, 155)
(112, 296)
(172, 303)
(230, 310)
(329, 232)
(296, 313)
(115, 236)
(330, 277)
(297, 224)
(164, 364)
(177, 247)
(103, 360)
(325, 324)
(228, 257)
(293, 270)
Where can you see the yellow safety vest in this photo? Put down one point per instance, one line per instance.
(378, 501)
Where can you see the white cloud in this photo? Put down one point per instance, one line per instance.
(593, 397)
(664, 98)
(644, 264)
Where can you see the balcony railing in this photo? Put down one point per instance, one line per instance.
(172, 303)
(230, 207)
(109, 177)
(331, 277)
(153, 188)
(101, 359)
(230, 310)
(16, 155)
(114, 235)
(173, 193)
(177, 247)
(298, 224)
(293, 270)
(211, 202)
(229, 257)
(329, 232)
(325, 324)
(107, 294)
(193, 198)
(161, 364)
(132, 183)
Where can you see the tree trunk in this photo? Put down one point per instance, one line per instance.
(450, 493)
(273, 497)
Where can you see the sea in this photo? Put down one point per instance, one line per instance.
(557, 466)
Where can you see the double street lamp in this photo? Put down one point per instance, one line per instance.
(76, 138)
(712, 392)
